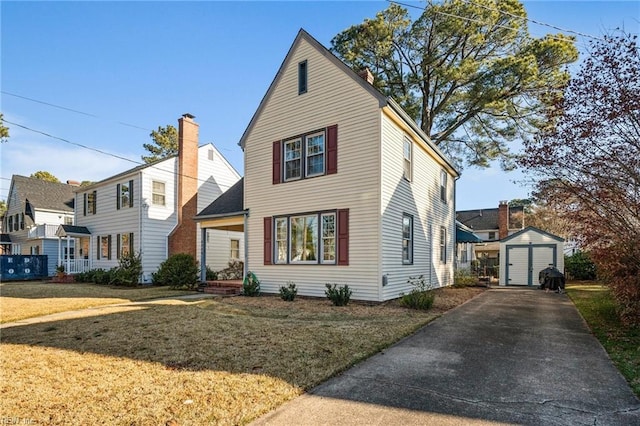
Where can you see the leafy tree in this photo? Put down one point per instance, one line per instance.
(467, 72)
(86, 183)
(4, 131)
(165, 144)
(43, 175)
(587, 163)
(3, 207)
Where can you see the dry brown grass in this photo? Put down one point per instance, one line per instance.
(20, 300)
(213, 361)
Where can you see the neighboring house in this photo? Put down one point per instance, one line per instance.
(465, 243)
(491, 225)
(525, 253)
(149, 209)
(35, 209)
(340, 186)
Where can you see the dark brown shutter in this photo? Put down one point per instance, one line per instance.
(109, 248)
(131, 193)
(95, 202)
(131, 245)
(98, 246)
(277, 162)
(332, 149)
(343, 237)
(84, 204)
(268, 247)
(117, 246)
(118, 197)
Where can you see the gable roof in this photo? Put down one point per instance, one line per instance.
(487, 219)
(44, 195)
(229, 203)
(531, 229)
(383, 101)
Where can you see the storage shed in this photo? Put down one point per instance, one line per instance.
(524, 254)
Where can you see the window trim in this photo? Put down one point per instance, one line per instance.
(409, 260)
(163, 194)
(407, 169)
(304, 155)
(443, 245)
(303, 77)
(443, 185)
(232, 249)
(287, 219)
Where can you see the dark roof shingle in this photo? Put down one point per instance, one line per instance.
(229, 202)
(44, 195)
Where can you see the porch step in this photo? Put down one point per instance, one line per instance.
(225, 291)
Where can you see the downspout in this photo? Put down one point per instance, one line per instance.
(141, 208)
(246, 243)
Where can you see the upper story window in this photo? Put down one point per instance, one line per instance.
(10, 223)
(302, 77)
(407, 152)
(21, 220)
(68, 220)
(492, 235)
(124, 195)
(407, 239)
(158, 197)
(90, 201)
(443, 185)
(304, 156)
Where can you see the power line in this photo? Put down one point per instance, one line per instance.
(88, 114)
(533, 21)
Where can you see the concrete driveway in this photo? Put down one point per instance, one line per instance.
(514, 356)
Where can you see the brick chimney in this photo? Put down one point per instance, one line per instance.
(503, 220)
(366, 74)
(183, 238)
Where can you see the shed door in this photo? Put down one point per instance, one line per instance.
(518, 267)
(525, 262)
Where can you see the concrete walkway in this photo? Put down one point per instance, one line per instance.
(509, 356)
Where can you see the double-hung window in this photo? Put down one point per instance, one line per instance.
(443, 244)
(158, 193)
(407, 239)
(308, 238)
(443, 185)
(125, 245)
(104, 247)
(314, 152)
(124, 194)
(90, 206)
(234, 249)
(407, 152)
(293, 159)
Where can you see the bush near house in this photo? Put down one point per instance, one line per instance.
(579, 266)
(288, 293)
(251, 285)
(340, 296)
(421, 296)
(179, 271)
(464, 278)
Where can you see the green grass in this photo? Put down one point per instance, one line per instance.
(598, 308)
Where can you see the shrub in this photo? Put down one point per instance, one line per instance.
(289, 293)
(251, 285)
(579, 267)
(464, 278)
(234, 271)
(420, 297)
(129, 271)
(340, 296)
(211, 275)
(179, 271)
(97, 276)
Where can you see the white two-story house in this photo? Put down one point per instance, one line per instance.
(35, 209)
(340, 186)
(149, 209)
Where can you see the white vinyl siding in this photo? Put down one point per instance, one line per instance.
(419, 198)
(219, 243)
(158, 195)
(332, 98)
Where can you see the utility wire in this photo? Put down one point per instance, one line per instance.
(88, 114)
(533, 21)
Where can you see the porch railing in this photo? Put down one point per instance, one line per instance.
(44, 231)
(76, 266)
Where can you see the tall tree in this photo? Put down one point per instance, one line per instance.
(587, 162)
(43, 175)
(4, 131)
(165, 144)
(467, 72)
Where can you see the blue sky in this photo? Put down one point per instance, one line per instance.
(128, 67)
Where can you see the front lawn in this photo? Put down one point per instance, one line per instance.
(213, 361)
(622, 343)
(27, 299)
